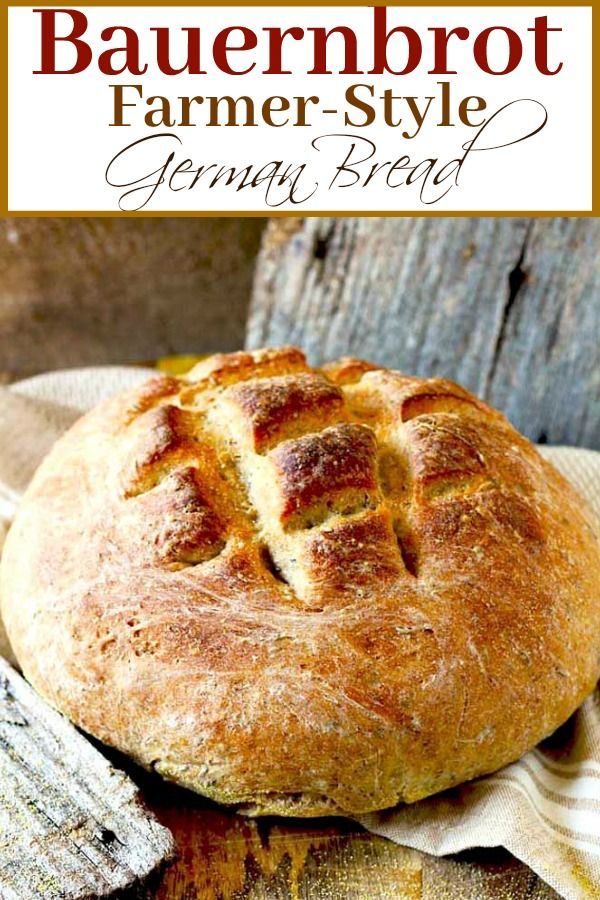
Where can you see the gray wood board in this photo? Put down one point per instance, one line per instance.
(71, 825)
(509, 307)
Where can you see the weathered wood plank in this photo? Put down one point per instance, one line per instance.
(546, 375)
(510, 307)
(71, 825)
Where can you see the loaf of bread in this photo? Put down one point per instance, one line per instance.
(305, 591)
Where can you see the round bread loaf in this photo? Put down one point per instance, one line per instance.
(305, 591)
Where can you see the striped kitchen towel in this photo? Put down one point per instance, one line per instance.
(545, 808)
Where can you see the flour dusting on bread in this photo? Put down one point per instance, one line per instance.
(305, 591)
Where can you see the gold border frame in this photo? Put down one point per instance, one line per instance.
(4, 211)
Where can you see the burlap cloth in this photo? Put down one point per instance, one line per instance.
(545, 808)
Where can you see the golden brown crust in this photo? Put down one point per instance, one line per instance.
(305, 591)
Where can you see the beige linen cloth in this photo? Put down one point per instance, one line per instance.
(545, 808)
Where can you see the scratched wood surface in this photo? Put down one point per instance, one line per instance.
(71, 825)
(225, 857)
(509, 307)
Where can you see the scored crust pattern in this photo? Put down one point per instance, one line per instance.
(313, 463)
(305, 590)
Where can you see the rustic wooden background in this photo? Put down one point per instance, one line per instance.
(79, 291)
(510, 307)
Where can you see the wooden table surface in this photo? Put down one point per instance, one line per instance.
(223, 856)
(509, 307)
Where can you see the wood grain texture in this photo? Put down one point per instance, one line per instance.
(71, 825)
(226, 857)
(508, 307)
(86, 291)
(238, 859)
